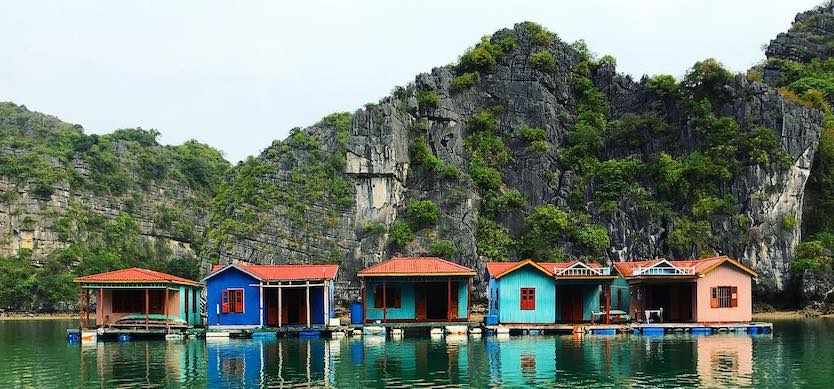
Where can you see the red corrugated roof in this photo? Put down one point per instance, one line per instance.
(134, 275)
(702, 266)
(287, 272)
(399, 266)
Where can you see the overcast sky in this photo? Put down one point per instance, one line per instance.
(237, 75)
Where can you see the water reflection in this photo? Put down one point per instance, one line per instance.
(725, 360)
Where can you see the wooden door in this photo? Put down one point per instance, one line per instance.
(453, 306)
(571, 304)
(420, 302)
(272, 308)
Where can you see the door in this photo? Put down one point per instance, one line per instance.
(420, 302)
(272, 308)
(571, 304)
(453, 306)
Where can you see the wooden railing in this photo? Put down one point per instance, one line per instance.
(664, 271)
(584, 272)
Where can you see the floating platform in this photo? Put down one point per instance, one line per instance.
(637, 328)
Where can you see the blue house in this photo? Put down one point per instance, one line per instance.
(416, 290)
(252, 296)
(529, 292)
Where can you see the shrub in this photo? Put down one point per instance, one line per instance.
(374, 228)
(442, 249)
(540, 34)
(491, 240)
(427, 99)
(400, 234)
(483, 121)
(708, 206)
(532, 134)
(539, 146)
(633, 130)
(594, 238)
(500, 204)
(488, 147)
(808, 256)
(483, 176)
(608, 60)
(543, 60)
(422, 212)
(423, 156)
(789, 222)
(465, 81)
(664, 85)
(485, 55)
(614, 177)
(690, 237)
(707, 78)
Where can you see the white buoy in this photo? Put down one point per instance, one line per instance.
(456, 329)
(437, 331)
(502, 330)
(217, 334)
(475, 331)
(173, 337)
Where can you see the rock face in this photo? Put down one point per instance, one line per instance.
(380, 167)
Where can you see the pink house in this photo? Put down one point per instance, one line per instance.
(709, 290)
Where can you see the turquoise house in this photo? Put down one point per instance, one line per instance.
(416, 290)
(529, 292)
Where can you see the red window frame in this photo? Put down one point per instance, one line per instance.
(232, 300)
(527, 299)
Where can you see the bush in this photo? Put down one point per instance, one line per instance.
(614, 178)
(400, 234)
(465, 81)
(442, 249)
(427, 99)
(707, 78)
(709, 206)
(664, 85)
(483, 121)
(492, 241)
(540, 34)
(690, 237)
(483, 176)
(532, 134)
(543, 60)
(594, 238)
(790, 222)
(808, 256)
(374, 228)
(422, 212)
(761, 146)
(539, 146)
(500, 204)
(485, 55)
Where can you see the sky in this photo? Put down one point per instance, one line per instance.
(239, 74)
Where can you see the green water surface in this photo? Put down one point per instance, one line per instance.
(800, 353)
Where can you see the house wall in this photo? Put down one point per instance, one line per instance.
(406, 311)
(232, 278)
(509, 297)
(725, 275)
(620, 285)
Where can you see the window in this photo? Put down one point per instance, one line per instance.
(528, 299)
(391, 294)
(724, 297)
(232, 301)
(133, 301)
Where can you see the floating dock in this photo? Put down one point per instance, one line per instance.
(637, 328)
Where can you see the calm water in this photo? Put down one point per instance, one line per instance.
(800, 353)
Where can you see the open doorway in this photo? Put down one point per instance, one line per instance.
(432, 301)
(674, 299)
(571, 303)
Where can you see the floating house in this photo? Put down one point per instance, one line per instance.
(254, 296)
(427, 290)
(710, 290)
(140, 299)
(529, 292)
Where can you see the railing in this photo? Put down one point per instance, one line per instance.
(584, 272)
(664, 271)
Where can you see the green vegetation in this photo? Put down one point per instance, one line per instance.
(491, 240)
(400, 234)
(422, 213)
(375, 229)
(543, 60)
(790, 222)
(443, 249)
(541, 36)
(548, 225)
(465, 81)
(427, 99)
(422, 155)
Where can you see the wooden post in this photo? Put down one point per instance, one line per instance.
(280, 310)
(186, 308)
(468, 298)
(100, 305)
(87, 296)
(147, 308)
(608, 305)
(364, 303)
(449, 299)
(384, 301)
(165, 308)
(261, 303)
(308, 303)
(326, 306)
(81, 306)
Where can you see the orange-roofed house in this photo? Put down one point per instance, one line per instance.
(709, 290)
(402, 290)
(140, 299)
(255, 296)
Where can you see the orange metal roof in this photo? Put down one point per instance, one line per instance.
(134, 275)
(702, 266)
(286, 272)
(498, 269)
(427, 266)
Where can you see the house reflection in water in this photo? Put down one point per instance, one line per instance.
(725, 360)
(165, 364)
(517, 362)
(239, 363)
